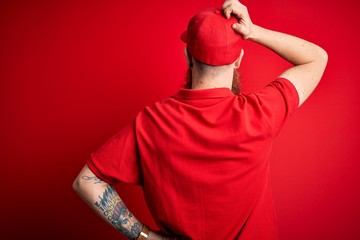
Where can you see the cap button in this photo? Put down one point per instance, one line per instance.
(217, 11)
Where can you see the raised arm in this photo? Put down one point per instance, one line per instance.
(309, 60)
(105, 201)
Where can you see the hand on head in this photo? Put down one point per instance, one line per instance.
(241, 13)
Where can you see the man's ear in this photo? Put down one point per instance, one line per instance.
(238, 61)
(188, 58)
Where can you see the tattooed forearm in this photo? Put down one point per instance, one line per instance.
(96, 179)
(118, 214)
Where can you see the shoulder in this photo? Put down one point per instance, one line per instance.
(279, 91)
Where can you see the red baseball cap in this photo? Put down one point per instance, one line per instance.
(210, 38)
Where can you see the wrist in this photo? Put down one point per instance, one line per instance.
(144, 234)
(254, 33)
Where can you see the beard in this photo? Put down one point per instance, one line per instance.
(235, 88)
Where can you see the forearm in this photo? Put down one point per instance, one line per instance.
(105, 201)
(293, 49)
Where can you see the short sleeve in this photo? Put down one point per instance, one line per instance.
(278, 101)
(118, 159)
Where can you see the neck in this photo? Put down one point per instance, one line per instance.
(221, 78)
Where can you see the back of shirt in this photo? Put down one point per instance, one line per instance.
(202, 159)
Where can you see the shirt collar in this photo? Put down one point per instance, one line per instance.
(203, 93)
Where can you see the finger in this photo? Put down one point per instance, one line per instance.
(236, 8)
(226, 4)
(228, 11)
(228, 8)
(237, 28)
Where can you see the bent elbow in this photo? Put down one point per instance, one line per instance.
(323, 56)
(76, 185)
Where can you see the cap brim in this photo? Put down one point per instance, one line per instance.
(183, 37)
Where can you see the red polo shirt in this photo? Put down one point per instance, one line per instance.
(202, 158)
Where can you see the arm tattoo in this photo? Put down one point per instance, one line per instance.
(96, 179)
(118, 214)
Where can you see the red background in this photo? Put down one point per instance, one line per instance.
(73, 72)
